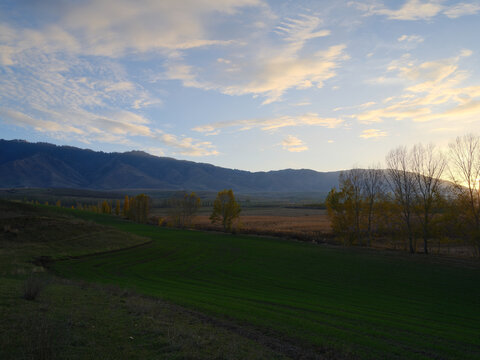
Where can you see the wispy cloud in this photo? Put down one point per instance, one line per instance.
(143, 26)
(270, 71)
(293, 144)
(297, 31)
(411, 10)
(372, 134)
(462, 9)
(119, 128)
(186, 145)
(51, 83)
(433, 91)
(418, 9)
(268, 124)
(411, 38)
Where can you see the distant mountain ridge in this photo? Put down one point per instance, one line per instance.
(43, 165)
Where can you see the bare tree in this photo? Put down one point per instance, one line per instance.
(182, 208)
(401, 182)
(465, 172)
(372, 189)
(351, 182)
(427, 166)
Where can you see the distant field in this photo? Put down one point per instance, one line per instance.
(304, 224)
(357, 302)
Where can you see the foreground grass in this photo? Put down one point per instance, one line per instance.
(359, 303)
(69, 319)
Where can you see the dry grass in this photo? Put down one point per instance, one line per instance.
(307, 227)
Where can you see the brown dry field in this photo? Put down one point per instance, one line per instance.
(303, 224)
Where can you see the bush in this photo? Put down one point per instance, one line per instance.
(32, 287)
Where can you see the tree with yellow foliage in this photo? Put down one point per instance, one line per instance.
(126, 206)
(225, 209)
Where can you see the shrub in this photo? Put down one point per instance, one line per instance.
(32, 287)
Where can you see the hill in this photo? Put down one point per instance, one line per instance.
(43, 165)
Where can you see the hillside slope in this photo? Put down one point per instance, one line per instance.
(24, 164)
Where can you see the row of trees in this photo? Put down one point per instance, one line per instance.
(410, 197)
(182, 209)
(136, 208)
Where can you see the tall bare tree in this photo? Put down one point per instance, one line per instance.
(372, 189)
(464, 169)
(401, 182)
(427, 166)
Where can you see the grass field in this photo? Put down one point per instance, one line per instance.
(333, 300)
(69, 319)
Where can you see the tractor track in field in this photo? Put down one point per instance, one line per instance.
(47, 261)
(277, 342)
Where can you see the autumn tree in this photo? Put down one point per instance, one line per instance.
(427, 168)
(139, 208)
(126, 206)
(225, 209)
(105, 207)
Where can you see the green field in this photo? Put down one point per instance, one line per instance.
(72, 319)
(338, 300)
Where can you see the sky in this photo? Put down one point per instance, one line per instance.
(247, 84)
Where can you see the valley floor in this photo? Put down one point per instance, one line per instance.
(200, 295)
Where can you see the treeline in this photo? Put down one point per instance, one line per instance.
(419, 196)
(136, 208)
(182, 208)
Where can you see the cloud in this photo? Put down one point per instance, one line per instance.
(418, 10)
(462, 9)
(432, 91)
(372, 134)
(276, 75)
(120, 86)
(144, 25)
(119, 128)
(293, 144)
(187, 146)
(269, 71)
(18, 118)
(411, 38)
(268, 124)
(48, 85)
(411, 10)
(154, 151)
(297, 31)
(269, 78)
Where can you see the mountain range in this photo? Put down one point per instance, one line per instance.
(43, 165)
